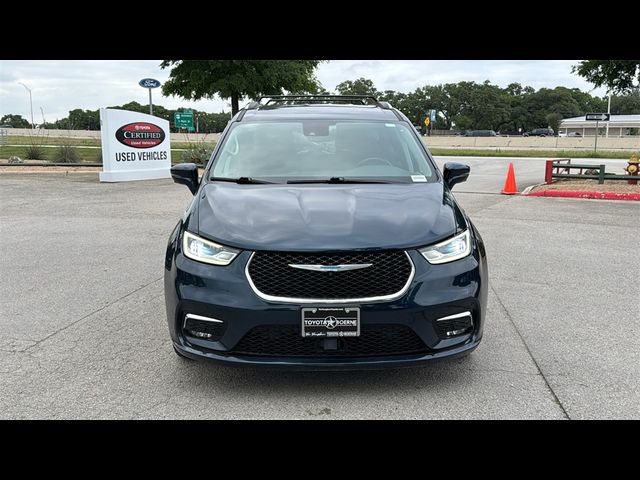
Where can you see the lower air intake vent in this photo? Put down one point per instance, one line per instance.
(286, 341)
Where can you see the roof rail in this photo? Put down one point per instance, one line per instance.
(361, 99)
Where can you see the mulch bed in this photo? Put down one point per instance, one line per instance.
(609, 190)
(617, 186)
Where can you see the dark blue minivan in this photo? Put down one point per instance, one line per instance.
(322, 235)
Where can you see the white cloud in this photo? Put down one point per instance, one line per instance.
(61, 85)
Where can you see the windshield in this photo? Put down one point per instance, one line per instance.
(323, 149)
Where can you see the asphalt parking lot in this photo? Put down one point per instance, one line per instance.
(84, 332)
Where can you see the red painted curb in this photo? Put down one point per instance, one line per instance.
(579, 194)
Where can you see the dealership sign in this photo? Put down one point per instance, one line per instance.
(149, 83)
(135, 146)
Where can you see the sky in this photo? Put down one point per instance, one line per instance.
(58, 86)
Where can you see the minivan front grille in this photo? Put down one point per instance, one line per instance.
(286, 341)
(273, 278)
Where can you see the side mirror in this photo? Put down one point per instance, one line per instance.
(455, 173)
(186, 174)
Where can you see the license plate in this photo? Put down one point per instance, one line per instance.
(331, 322)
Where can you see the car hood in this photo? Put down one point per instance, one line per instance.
(327, 217)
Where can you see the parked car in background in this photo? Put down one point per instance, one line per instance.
(480, 133)
(570, 134)
(539, 132)
(6, 126)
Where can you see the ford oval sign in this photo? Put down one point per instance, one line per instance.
(140, 135)
(149, 83)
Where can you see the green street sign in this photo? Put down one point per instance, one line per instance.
(184, 120)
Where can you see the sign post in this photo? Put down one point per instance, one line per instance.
(184, 119)
(149, 83)
(432, 118)
(598, 117)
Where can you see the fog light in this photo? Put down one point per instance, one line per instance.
(207, 328)
(195, 333)
(453, 333)
(454, 325)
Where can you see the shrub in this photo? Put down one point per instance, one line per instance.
(34, 152)
(197, 153)
(67, 154)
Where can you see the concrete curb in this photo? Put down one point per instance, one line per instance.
(582, 194)
(531, 187)
(38, 172)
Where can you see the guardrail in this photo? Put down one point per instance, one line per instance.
(555, 168)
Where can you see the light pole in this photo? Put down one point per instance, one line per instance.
(609, 112)
(30, 103)
(43, 120)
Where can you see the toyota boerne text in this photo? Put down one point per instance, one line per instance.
(322, 235)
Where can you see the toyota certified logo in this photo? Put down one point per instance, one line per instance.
(140, 135)
(330, 322)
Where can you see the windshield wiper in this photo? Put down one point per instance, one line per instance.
(338, 180)
(241, 180)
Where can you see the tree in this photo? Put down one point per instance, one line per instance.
(586, 102)
(553, 121)
(616, 75)
(196, 79)
(540, 104)
(16, 121)
(84, 119)
(360, 86)
(212, 122)
(626, 104)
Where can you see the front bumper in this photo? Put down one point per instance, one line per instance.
(224, 293)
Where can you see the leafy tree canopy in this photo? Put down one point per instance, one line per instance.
(196, 79)
(360, 86)
(16, 121)
(626, 104)
(618, 76)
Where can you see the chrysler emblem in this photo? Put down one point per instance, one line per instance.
(331, 268)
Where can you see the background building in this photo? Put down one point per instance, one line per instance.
(619, 126)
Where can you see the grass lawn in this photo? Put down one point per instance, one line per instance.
(44, 139)
(78, 142)
(86, 154)
(531, 153)
(90, 155)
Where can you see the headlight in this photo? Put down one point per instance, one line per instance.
(206, 251)
(449, 250)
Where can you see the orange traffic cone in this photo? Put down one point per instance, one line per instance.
(510, 183)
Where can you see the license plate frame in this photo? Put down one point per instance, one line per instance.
(316, 322)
